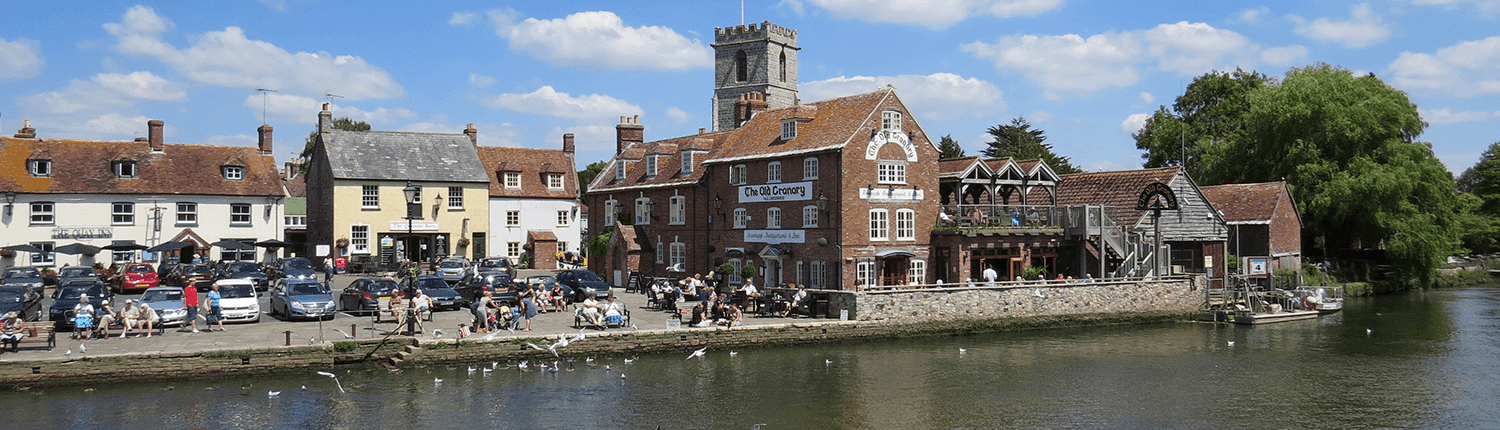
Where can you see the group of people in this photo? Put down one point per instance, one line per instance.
(421, 305)
(602, 315)
(89, 321)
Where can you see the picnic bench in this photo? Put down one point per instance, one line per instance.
(36, 332)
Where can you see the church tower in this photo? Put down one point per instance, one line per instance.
(759, 59)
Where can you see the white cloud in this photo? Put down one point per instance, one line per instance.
(1252, 16)
(1364, 28)
(678, 116)
(1147, 98)
(931, 14)
(1134, 122)
(101, 126)
(1039, 117)
(547, 101)
(1284, 55)
(18, 59)
(227, 58)
(276, 5)
(1486, 6)
(106, 92)
(1448, 116)
(480, 81)
(1467, 69)
(598, 139)
(600, 40)
(939, 96)
(1073, 63)
(464, 19)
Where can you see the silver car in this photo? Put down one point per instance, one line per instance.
(302, 298)
(453, 270)
(167, 302)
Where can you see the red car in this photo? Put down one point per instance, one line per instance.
(136, 276)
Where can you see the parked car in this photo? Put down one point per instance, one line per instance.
(542, 284)
(497, 283)
(584, 283)
(195, 275)
(76, 273)
(167, 264)
(295, 268)
(443, 296)
(67, 295)
(135, 276)
(27, 304)
(237, 300)
(246, 271)
(497, 264)
(168, 304)
(302, 298)
(26, 276)
(364, 294)
(453, 269)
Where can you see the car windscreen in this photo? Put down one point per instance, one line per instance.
(382, 287)
(163, 296)
(139, 269)
(72, 292)
(497, 280)
(296, 264)
(11, 295)
(426, 283)
(75, 272)
(236, 291)
(586, 276)
(17, 273)
(305, 288)
(244, 268)
(451, 264)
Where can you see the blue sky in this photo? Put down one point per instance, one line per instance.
(525, 72)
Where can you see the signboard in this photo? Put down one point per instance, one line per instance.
(386, 241)
(774, 236)
(83, 232)
(1157, 196)
(322, 250)
(787, 192)
(887, 136)
(415, 226)
(890, 194)
(1257, 266)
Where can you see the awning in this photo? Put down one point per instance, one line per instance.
(273, 243)
(894, 253)
(132, 246)
(77, 248)
(23, 248)
(168, 246)
(233, 245)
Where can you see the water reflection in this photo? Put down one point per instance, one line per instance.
(1428, 361)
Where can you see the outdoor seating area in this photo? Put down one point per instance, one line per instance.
(1001, 216)
(34, 333)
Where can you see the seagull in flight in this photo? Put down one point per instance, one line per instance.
(1369, 332)
(827, 362)
(437, 380)
(335, 379)
(345, 333)
(1231, 343)
(963, 351)
(698, 353)
(522, 365)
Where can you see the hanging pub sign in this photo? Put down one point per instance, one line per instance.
(1157, 196)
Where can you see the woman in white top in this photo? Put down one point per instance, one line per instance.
(613, 314)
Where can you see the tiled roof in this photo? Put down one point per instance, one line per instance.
(834, 122)
(296, 186)
(1118, 190)
(669, 170)
(1245, 203)
(541, 235)
(397, 155)
(532, 163)
(953, 167)
(632, 236)
(84, 167)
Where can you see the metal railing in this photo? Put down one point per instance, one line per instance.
(1004, 216)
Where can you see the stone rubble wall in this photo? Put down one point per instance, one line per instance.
(1180, 296)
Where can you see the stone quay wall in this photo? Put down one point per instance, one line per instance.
(1031, 299)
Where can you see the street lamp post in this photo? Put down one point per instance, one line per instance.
(413, 212)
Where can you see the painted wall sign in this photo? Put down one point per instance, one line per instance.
(887, 136)
(415, 226)
(774, 236)
(786, 192)
(83, 232)
(890, 194)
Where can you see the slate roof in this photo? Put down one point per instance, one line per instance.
(84, 167)
(533, 164)
(1246, 203)
(400, 156)
(1116, 189)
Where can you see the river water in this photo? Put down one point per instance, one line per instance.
(1428, 360)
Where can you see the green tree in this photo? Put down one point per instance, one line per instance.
(949, 148)
(1020, 141)
(587, 175)
(1212, 112)
(1481, 185)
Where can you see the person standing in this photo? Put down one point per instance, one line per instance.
(328, 272)
(190, 301)
(990, 275)
(215, 313)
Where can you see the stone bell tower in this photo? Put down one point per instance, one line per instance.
(756, 58)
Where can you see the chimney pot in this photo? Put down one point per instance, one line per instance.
(265, 139)
(701, 130)
(628, 133)
(153, 134)
(26, 132)
(473, 134)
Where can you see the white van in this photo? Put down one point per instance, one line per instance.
(237, 300)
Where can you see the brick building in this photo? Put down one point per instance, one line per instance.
(1263, 222)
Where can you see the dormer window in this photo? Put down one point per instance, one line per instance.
(39, 168)
(125, 169)
(234, 173)
(788, 129)
(620, 170)
(651, 161)
(554, 181)
(890, 121)
(512, 180)
(687, 163)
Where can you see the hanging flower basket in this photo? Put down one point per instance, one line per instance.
(342, 242)
(463, 241)
(6, 253)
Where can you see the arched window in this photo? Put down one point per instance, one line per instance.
(740, 69)
(783, 66)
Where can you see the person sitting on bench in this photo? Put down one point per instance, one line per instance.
(10, 332)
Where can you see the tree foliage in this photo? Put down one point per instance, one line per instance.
(587, 175)
(1481, 185)
(1020, 141)
(1346, 146)
(949, 148)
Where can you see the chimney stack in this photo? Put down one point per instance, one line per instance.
(325, 120)
(153, 135)
(473, 134)
(265, 139)
(629, 132)
(749, 105)
(568, 143)
(26, 132)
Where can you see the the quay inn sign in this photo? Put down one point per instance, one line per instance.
(83, 232)
(788, 192)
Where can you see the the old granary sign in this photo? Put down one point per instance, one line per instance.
(788, 192)
(886, 136)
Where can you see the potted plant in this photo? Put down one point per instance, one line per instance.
(343, 242)
(6, 253)
(463, 241)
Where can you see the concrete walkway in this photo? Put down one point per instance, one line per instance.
(272, 331)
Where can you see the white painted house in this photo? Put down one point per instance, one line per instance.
(533, 203)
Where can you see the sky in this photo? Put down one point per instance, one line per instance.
(524, 73)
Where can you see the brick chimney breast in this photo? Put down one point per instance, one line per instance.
(325, 120)
(265, 139)
(568, 143)
(472, 133)
(629, 132)
(26, 132)
(153, 134)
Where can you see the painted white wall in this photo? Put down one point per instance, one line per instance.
(536, 214)
(96, 211)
